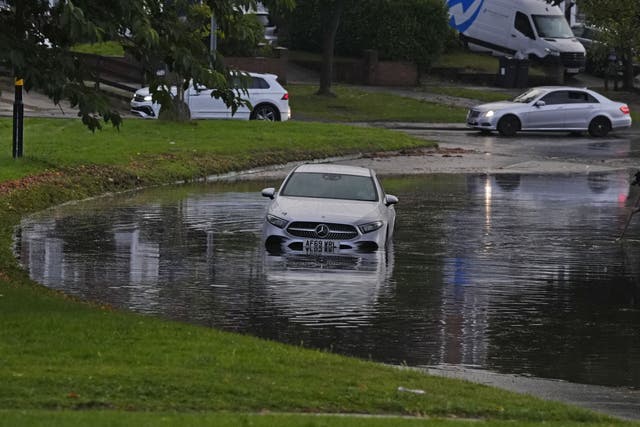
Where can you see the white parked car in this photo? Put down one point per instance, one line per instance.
(552, 108)
(269, 99)
(324, 209)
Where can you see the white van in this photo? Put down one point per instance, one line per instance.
(531, 29)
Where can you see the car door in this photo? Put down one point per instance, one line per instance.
(522, 34)
(546, 115)
(203, 106)
(257, 90)
(579, 111)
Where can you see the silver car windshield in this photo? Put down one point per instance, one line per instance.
(528, 96)
(552, 26)
(330, 186)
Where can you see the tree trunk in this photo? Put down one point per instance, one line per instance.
(627, 74)
(328, 43)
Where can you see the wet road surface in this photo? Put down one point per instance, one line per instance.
(517, 274)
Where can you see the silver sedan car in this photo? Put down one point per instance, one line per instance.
(324, 209)
(552, 108)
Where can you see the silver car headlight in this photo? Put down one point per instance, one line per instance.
(276, 221)
(489, 114)
(369, 227)
(148, 98)
(552, 52)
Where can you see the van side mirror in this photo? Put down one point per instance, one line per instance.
(540, 104)
(269, 192)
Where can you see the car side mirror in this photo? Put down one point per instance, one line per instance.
(269, 192)
(390, 200)
(540, 104)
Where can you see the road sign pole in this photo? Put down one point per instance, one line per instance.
(18, 119)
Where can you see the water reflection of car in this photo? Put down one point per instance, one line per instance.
(341, 291)
(552, 108)
(324, 209)
(269, 99)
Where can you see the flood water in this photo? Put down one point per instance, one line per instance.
(509, 273)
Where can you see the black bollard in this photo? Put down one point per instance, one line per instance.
(18, 119)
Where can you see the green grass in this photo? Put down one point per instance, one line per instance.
(462, 92)
(110, 48)
(194, 146)
(476, 62)
(469, 61)
(68, 363)
(353, 105)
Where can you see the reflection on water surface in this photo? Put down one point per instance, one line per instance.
(512, 273)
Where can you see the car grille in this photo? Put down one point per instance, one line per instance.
(144, 109)
(336, 231)
(573, 59)
(473, 114)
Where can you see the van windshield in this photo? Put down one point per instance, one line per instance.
(552, 26)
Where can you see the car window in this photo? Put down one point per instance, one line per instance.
(523, 25)
(528, 96)
(579, 97)
(556, 97)
(258, 83)
(330, 186)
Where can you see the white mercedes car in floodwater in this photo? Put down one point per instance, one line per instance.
(552, 108)
(325, 209)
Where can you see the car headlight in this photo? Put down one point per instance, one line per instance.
(552, 52)
(276, 221)
(148, 98)
(372, 226)
(489, 114)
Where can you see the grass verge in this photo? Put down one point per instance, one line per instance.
(353, 105)
(68, 363)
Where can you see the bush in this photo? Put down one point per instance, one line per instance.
(410, 30)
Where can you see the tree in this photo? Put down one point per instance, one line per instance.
(38, 36)
(620, 20)
(35, 46)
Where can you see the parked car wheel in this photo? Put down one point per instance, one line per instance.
(508, 125)
(265, 112)
(599, 127)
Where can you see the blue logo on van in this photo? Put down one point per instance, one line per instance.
(460, 21)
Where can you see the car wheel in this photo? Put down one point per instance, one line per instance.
(508, 125)
(265, 112)
(599, 127)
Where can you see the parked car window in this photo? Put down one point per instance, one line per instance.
(523, 25)
(557, 97)
(258, 83)
(577, 97)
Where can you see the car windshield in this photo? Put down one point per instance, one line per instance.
(552, 26)
(528, 96)
(330, 186)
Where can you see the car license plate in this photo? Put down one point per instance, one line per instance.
(320, 247)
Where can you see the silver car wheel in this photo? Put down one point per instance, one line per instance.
(265, 112)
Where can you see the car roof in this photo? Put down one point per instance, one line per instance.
(331, 168)
(549, 88)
